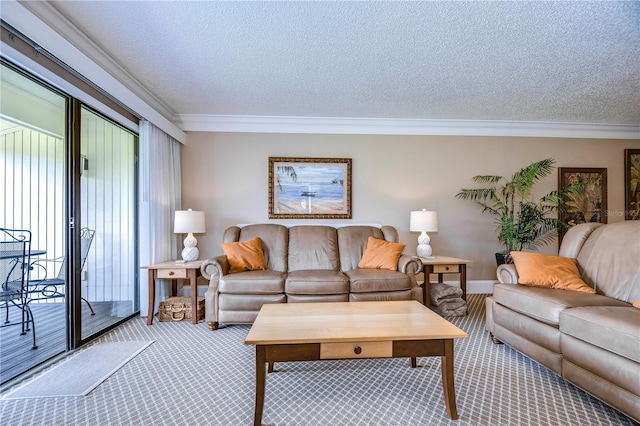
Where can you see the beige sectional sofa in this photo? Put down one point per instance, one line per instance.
(591, 340)
(306, 263)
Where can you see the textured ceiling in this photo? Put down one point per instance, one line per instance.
(523, 61)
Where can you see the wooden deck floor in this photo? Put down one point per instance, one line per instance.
(16, 353)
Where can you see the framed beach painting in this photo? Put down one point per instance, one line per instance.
(309, 188)
(632, 184)
(590, 203)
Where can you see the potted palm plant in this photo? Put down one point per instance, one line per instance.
(521, 222)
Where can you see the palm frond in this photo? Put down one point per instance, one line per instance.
(521, 222)
(490, 179)
(525, 178)
(476, 194)
(287, 170)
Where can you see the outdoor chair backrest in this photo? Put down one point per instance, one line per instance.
(15, 246)
(86, 238)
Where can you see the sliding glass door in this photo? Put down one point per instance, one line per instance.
(33, 169)
(108, 219)
(69, 176)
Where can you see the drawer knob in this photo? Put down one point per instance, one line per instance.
(446, 268)
(357, 350)
(171, 272)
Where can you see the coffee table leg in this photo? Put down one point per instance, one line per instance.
(447, 379)
(261, 359)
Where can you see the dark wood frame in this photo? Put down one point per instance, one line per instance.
(631, 193)
(565, 177)
(274, 185)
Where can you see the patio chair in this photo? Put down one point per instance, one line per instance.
(15, 249)
(51, 288)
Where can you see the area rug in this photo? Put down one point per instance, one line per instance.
(198, 377)
(81, 372)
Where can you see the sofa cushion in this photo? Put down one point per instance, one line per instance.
(543, 270)
(252, 282)
(608, 260)
(545, 304)
(381, 254)
(313, 247)
(609, 327)
(605, 375)
(381, 296)
(240, 303)
(575, 238)
(245, 255)
(372, 280)
(534, 337)
(275, 241)
(316, 282)
(315, 298)
(352, 242)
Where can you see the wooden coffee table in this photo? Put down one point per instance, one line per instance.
(348, 330)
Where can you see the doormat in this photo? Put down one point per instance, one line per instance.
(82, 372)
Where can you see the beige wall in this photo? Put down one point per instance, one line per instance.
(225, 174)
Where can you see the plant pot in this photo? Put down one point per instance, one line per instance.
(503, 257)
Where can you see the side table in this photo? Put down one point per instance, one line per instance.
(443, 265)
(173, 271)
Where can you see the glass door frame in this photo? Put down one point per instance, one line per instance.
(75, 205)
(73, 219)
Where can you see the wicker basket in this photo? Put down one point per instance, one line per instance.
(179, 309)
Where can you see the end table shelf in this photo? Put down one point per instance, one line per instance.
(443, 265)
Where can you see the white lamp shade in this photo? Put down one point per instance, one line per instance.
(423, 221)
(189, 221)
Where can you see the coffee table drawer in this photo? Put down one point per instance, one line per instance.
(356, 350)
(172, 273)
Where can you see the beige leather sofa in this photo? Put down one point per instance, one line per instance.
(306, 263)
(591, 340)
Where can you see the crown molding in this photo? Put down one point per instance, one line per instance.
(392, 126)
(46, 26)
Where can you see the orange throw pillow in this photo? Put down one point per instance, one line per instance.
(245, 256)
(381, 254)
(636, 303)
(543, 270)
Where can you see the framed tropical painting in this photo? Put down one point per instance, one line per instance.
(632, 184)
(590, 203)
(309, 188)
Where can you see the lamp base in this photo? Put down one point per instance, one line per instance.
(424, 250)
(190, 251)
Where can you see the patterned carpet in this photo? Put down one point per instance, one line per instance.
(193, 376)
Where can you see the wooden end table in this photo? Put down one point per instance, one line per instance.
(173, 271)
(351, 330)
(443, 265)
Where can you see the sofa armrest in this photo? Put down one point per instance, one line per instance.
(507, 274)
(409, 264)
(213, 269)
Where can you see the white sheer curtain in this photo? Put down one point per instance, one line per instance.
(160, 196)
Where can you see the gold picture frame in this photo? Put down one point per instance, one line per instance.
(590, 203)
(632, 184)
(309, 188)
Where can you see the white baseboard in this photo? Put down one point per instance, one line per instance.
(481, 286)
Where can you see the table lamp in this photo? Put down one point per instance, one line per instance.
(189, 222)
(424, 221)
